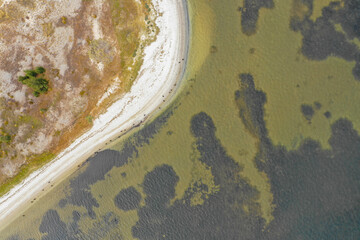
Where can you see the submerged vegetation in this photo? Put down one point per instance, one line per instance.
(35, 80)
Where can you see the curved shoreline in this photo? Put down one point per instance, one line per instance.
(163, 68)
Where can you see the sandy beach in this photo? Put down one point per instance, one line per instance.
(159, 77)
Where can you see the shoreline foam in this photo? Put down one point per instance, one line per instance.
(162, 69)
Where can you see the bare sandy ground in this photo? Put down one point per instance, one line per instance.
(163, 68)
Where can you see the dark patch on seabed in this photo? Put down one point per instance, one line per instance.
(321, 39)
(327, 114)
(250, 102)
(308, 111)
(250, 14)
(128, 199)
(222, 216)
(54, 228)
(317, 105)
(98, 166)
(316, 191)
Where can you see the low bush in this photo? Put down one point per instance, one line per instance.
(34, 80)
(5, 138)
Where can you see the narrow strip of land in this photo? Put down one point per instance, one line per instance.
(163, 68)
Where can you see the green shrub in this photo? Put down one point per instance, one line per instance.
(37, 84)
(89, 118)
(5, 138)
(22, 78)
(40, 70)
(30, 73)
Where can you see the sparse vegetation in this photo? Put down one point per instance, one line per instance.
(64, 20)
(5, 138)
(40, 70)
(101, 51)
(89, 118)
(34, 79)
(34, 163)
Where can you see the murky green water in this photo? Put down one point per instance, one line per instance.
(261, 142)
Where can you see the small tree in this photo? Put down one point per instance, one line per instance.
(23, 78)
(30, 73)
(37, 84)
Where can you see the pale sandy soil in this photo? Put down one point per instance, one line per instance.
(163, 68)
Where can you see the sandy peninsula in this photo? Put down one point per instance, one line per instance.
(163, 68)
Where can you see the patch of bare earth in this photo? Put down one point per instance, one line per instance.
(90, 50)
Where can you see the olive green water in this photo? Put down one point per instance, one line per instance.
(236, 155)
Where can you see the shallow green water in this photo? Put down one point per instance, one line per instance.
(260, 143)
